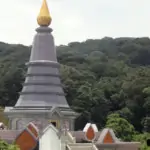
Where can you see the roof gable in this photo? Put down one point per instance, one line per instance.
(55, 112)
(28, 138)
(90, 131)
(107, 136)
(49, 127)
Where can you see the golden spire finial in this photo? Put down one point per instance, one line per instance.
(44, 18)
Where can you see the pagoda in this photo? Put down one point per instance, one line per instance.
(42, 99)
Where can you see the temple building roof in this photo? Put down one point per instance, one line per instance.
(10, 136)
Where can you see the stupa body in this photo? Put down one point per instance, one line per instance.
(42, 99)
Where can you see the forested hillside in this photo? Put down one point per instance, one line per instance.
(101, 78)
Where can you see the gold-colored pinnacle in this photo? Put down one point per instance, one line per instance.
(44, 18)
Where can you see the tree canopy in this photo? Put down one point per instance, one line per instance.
(100, 77)
(5, 146)
(122, 128)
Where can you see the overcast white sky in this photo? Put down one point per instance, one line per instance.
(75, 20)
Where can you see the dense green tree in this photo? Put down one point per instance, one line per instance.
(5, 146)
(99, 77)
(142, 138)
(122, 128)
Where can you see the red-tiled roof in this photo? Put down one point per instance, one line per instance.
(10, 135)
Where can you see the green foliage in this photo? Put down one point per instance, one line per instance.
(142, 138)
(99, 77)
(6, 146)
(122, 128)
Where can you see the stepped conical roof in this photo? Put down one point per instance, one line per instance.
(42, 87)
